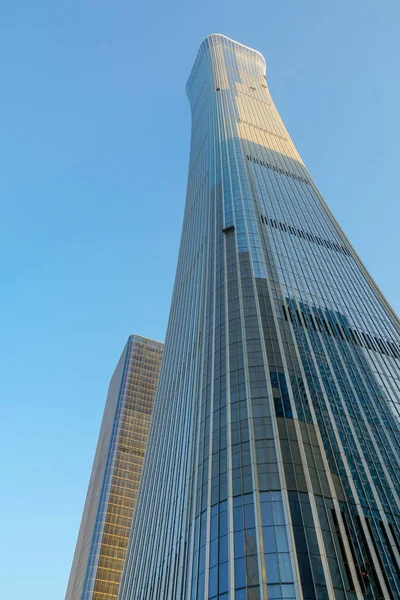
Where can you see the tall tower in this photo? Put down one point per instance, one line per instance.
(110, 502)
(272, 468)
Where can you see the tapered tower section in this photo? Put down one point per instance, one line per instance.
(272, 468)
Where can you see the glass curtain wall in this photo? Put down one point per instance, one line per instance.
(272, 468)
(111, 498)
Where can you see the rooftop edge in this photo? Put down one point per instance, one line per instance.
(204, 45)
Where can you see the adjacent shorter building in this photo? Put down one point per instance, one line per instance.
(110, 502)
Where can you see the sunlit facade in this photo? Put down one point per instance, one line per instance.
(272, 468)
(110, 502)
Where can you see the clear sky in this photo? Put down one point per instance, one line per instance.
(94, 147)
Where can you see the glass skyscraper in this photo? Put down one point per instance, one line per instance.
(272, 468)
(110, 502)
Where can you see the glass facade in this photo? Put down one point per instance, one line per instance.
(272, 468)
(110, 502)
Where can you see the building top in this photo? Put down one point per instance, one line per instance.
(218, 39)
(136, 337)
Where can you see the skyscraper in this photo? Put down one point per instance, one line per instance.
(272, 468)
(110, 502)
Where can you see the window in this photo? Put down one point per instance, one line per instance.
(379, 557)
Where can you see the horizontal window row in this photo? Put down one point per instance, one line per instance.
(250, 95)
(305, 235)
(130, 450)
(277, 169)
(262, 129)
(338, 330)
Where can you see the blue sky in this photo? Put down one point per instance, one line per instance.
(94, 152)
